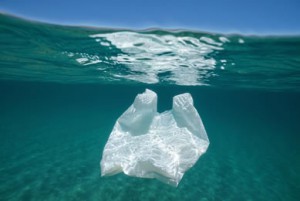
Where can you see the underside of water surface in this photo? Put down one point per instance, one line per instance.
(45, 52)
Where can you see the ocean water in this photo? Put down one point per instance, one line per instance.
(62, 89)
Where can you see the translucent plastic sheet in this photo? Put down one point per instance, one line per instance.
(148, 144)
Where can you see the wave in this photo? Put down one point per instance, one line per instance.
(34, 51)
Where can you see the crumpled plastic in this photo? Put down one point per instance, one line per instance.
(148, 144)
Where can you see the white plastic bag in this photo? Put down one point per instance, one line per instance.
(148, 144)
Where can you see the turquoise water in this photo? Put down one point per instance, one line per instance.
(62, 89)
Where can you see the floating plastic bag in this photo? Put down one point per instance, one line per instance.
(148, 144)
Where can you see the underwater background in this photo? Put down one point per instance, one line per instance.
(62, 89)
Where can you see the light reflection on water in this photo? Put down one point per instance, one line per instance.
(185, 59)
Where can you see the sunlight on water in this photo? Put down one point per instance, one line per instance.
(148, 55)
(157, 56)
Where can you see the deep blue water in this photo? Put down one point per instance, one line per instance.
(61, 93)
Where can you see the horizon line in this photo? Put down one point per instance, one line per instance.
(175, 28)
